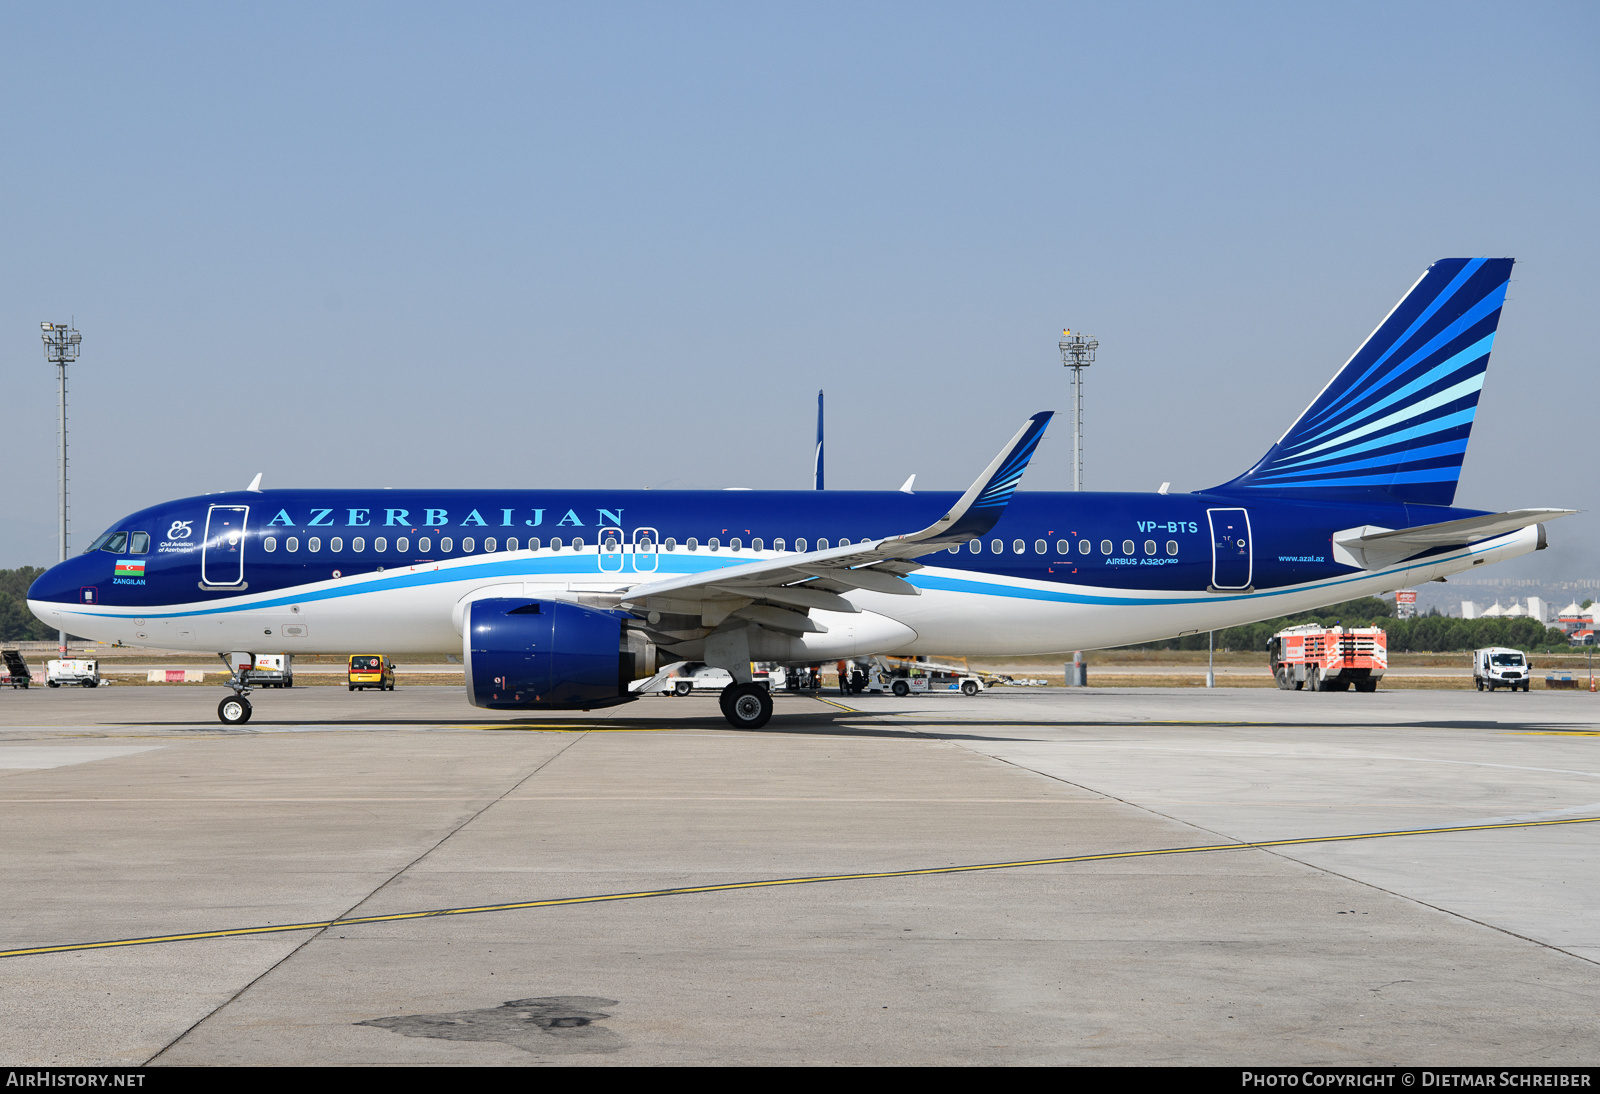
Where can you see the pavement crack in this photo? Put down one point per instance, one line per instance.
(318, 933)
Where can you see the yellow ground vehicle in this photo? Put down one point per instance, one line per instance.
(371, 670)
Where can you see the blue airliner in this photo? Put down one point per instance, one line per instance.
(563, 599)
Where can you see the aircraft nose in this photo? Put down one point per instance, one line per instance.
(65, 583)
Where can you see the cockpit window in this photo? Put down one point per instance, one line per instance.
(116, 543)
(139, 543)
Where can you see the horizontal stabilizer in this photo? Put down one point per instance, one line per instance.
(1372, 548)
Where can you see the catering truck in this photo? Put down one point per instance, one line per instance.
(1498, 667)
(1319, 658)
(70, 672)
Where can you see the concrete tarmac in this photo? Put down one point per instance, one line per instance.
(130, 813)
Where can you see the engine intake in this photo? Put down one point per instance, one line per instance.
(549, 654)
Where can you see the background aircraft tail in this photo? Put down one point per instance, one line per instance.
(1393, 425)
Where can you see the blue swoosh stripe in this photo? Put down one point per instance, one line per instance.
(1428, 313)
(921, 580)
(1432, 474)
(1393, 459)
(1437, 425)
(1469, 356)
(1469, 386)
(1471, 318)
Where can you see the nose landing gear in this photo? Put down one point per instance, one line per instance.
(235, 709)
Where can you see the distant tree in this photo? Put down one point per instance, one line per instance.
(17, 623)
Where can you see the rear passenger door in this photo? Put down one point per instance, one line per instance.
(1232, 561)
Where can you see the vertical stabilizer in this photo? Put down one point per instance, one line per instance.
(1393, 424)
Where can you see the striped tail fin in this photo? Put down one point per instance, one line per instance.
(1393, 425)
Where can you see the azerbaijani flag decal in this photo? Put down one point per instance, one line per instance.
(129, 567)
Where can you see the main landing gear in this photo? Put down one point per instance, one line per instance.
(746, 706)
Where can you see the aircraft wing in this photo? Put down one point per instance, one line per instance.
(791, 585)
(1372, 548)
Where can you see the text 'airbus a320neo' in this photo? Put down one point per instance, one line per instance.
(562, 599)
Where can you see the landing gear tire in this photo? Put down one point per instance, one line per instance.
(747, 706)
(901, 689)
(234, 710)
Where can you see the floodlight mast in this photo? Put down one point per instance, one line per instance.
(61, 341)
(1077, 353)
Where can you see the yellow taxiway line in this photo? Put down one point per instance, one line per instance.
(767, 883)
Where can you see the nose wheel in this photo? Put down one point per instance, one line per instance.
(234, 710)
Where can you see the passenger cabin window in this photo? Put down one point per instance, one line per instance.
(270, 544)
(1040, 547)
(974, 545)
(489, 545)
(1127, 546)
(380, 545)
(446, 545)
(734, 544)
(1149, 546)
(292, 544)
(996, 547)
(577, 543)
(672, 544)
(1018, 547)
(714, 543)
(758, 544)
(424, 545)
(777, 545)
(314, 544)
(800, 545)
(954, 548)
(511, 543)
(358, 545)
(403, 545)
(533, 543)
(467, 545)
(1084, 546)
(1172, 547)
(1105, 546)
(555, 543)
(693, 544)
(336, 544)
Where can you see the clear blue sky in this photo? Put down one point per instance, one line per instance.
(625, 244)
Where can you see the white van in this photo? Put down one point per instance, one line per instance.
(1498, 667)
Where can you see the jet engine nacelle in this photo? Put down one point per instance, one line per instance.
(522, 653)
